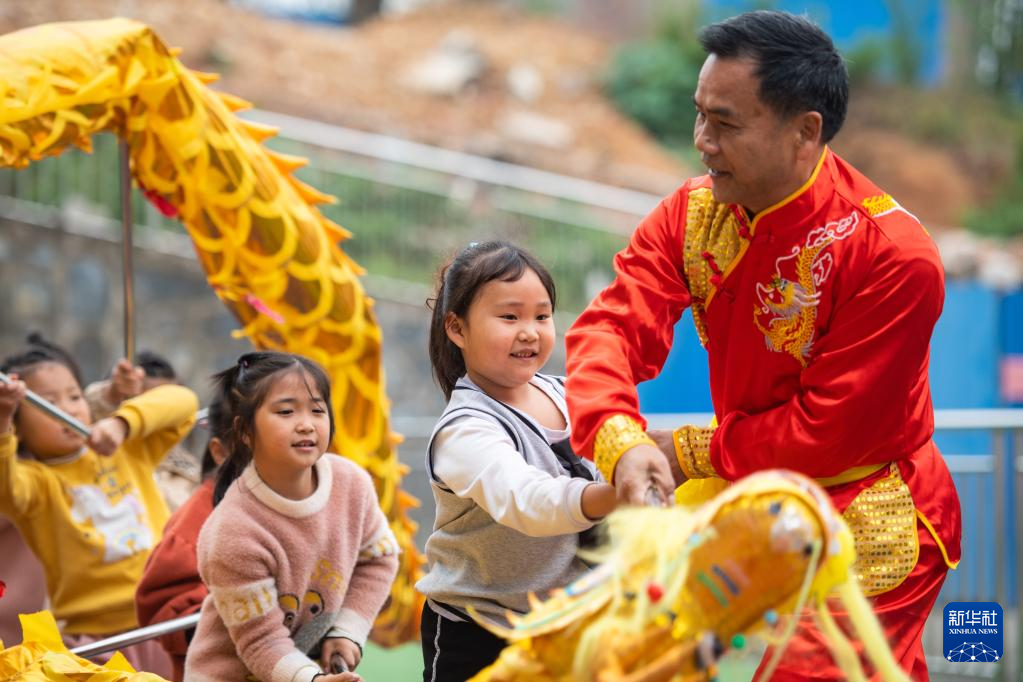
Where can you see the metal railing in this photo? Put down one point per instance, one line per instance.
(990, 488)
(126, 639)
(409, 205)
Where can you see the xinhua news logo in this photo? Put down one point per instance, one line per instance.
(973, 632)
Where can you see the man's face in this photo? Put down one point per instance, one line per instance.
(749, 151)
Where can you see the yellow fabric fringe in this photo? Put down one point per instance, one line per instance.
(670, 578)
(43, 656)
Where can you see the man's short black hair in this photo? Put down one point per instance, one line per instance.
(797, 64)
(155, 366)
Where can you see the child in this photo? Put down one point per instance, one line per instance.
(178, 473)
(170, 585)
(511, 498)
(297, 555)
(90, 510)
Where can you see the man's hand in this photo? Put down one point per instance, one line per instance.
(347, 649)
(10, 395)
(126, 382)
(665, 439)
(642, 476)
(107, 435)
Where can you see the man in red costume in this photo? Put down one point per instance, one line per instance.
(815, 294)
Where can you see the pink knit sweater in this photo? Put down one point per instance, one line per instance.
(283, 574)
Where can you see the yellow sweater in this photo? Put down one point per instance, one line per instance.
(93, 520)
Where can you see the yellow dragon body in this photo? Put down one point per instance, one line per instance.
(675, 586)
(269, 254)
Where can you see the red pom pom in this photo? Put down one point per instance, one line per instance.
(162, 205)
(655, 592)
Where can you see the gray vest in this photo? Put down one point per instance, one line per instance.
(473, 560)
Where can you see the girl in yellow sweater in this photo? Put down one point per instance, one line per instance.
(89, 509)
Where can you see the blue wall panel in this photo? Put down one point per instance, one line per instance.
(849, 23)
(965, 355)
(684, 383)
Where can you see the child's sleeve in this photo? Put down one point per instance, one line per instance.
(21, 487)
(170, 586)
(159, 418)
(240, 574)
(374, 570)
(476, 459)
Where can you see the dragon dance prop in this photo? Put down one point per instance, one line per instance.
(43, 656)
(677, 587)
(268, 253)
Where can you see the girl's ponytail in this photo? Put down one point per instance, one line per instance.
(445, 356)
(240, 454)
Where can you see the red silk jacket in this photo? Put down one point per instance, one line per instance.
(816, 315)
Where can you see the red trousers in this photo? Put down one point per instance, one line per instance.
(901, 611)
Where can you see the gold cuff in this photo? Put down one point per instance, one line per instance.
(614, 437)
(692, 450)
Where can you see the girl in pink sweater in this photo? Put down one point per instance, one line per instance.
(297, 555)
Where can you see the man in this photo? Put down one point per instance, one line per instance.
(815, 294)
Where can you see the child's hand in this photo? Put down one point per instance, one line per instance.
(108, 434)
(10, 395)
(126, 382)
(598, 501)
(346, 648)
